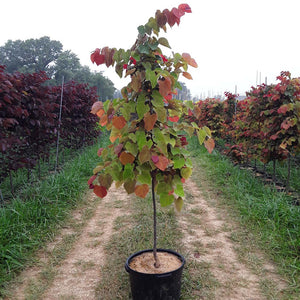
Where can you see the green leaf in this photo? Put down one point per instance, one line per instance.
(116, 171)
(132, 137)
(178, 204)
(106, 105)
(141, 30)
(163, 187)
(179, 190)
(163, 41)
(144, 176)
(144, 48)
(127, 109)
(207, 130)
(153, 46)
(160, 140)
(186, 172)
(152, 24)
(179, 163)
(141, 107)
(188, 162)
(158, 135)
(141, 139)
(175, 151)
(152, 77)
(161, 114)
(128, 172)
(157, 100)
(165, 199)
(189, 104)
(201, 136)
(131, 147)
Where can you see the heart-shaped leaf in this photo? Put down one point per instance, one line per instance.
(141, 190)
(149, 120)
(209, 145)
(178, 204)
(100, 191)
(126, 158)
(119, 122)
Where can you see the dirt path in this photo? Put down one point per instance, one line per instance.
(77, 275)
(70, 266)
(208, 239)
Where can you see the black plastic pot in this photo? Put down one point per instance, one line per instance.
(165, 286)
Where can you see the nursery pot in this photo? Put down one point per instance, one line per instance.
(164, 286)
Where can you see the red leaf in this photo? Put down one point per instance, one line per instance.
(177, 14)
(189, 60)
(99, 152)
(161, 18)
(171, 19)
(187, 75)
(100, 191)
(168, 97)
(91, 180)
(162, 163)
(165, 85)
(155, 159)
(173, 119)
(285, 125)
(185, 8)
(274, 137)
(149, 120)
(97, 58)
(209, 145)
(118, 149)
(96, 107)
(283, 109)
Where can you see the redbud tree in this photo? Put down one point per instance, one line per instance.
(147, 151)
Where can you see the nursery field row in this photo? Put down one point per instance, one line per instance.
(222, 213)
(264, 127)
(34, 117)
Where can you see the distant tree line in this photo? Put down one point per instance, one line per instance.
(43, 54)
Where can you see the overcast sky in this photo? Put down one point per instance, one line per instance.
(232, 41)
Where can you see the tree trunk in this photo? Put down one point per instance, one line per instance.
(156, 260)
(289, 172)
(274, 169)
(11, 183)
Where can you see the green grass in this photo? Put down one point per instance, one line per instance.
(36, 212)
(269, 214)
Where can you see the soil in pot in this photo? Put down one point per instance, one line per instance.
(150, 283)
(144, 263)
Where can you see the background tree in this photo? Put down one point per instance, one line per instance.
(67, 65)
(31, 55)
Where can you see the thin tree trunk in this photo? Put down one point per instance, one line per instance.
(11, 183)
(156, 260)
(289, 172)
(274, 169)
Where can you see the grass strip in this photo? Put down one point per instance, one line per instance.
(33, 217)
(269, 214)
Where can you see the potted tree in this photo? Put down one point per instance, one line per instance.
(148, 146)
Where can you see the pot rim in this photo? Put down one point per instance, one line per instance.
(129, 270)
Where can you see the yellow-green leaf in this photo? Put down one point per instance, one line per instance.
(163, 41)
(178, 204)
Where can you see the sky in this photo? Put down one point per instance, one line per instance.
(236, 43)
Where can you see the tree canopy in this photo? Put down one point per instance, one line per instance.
(44, 54)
